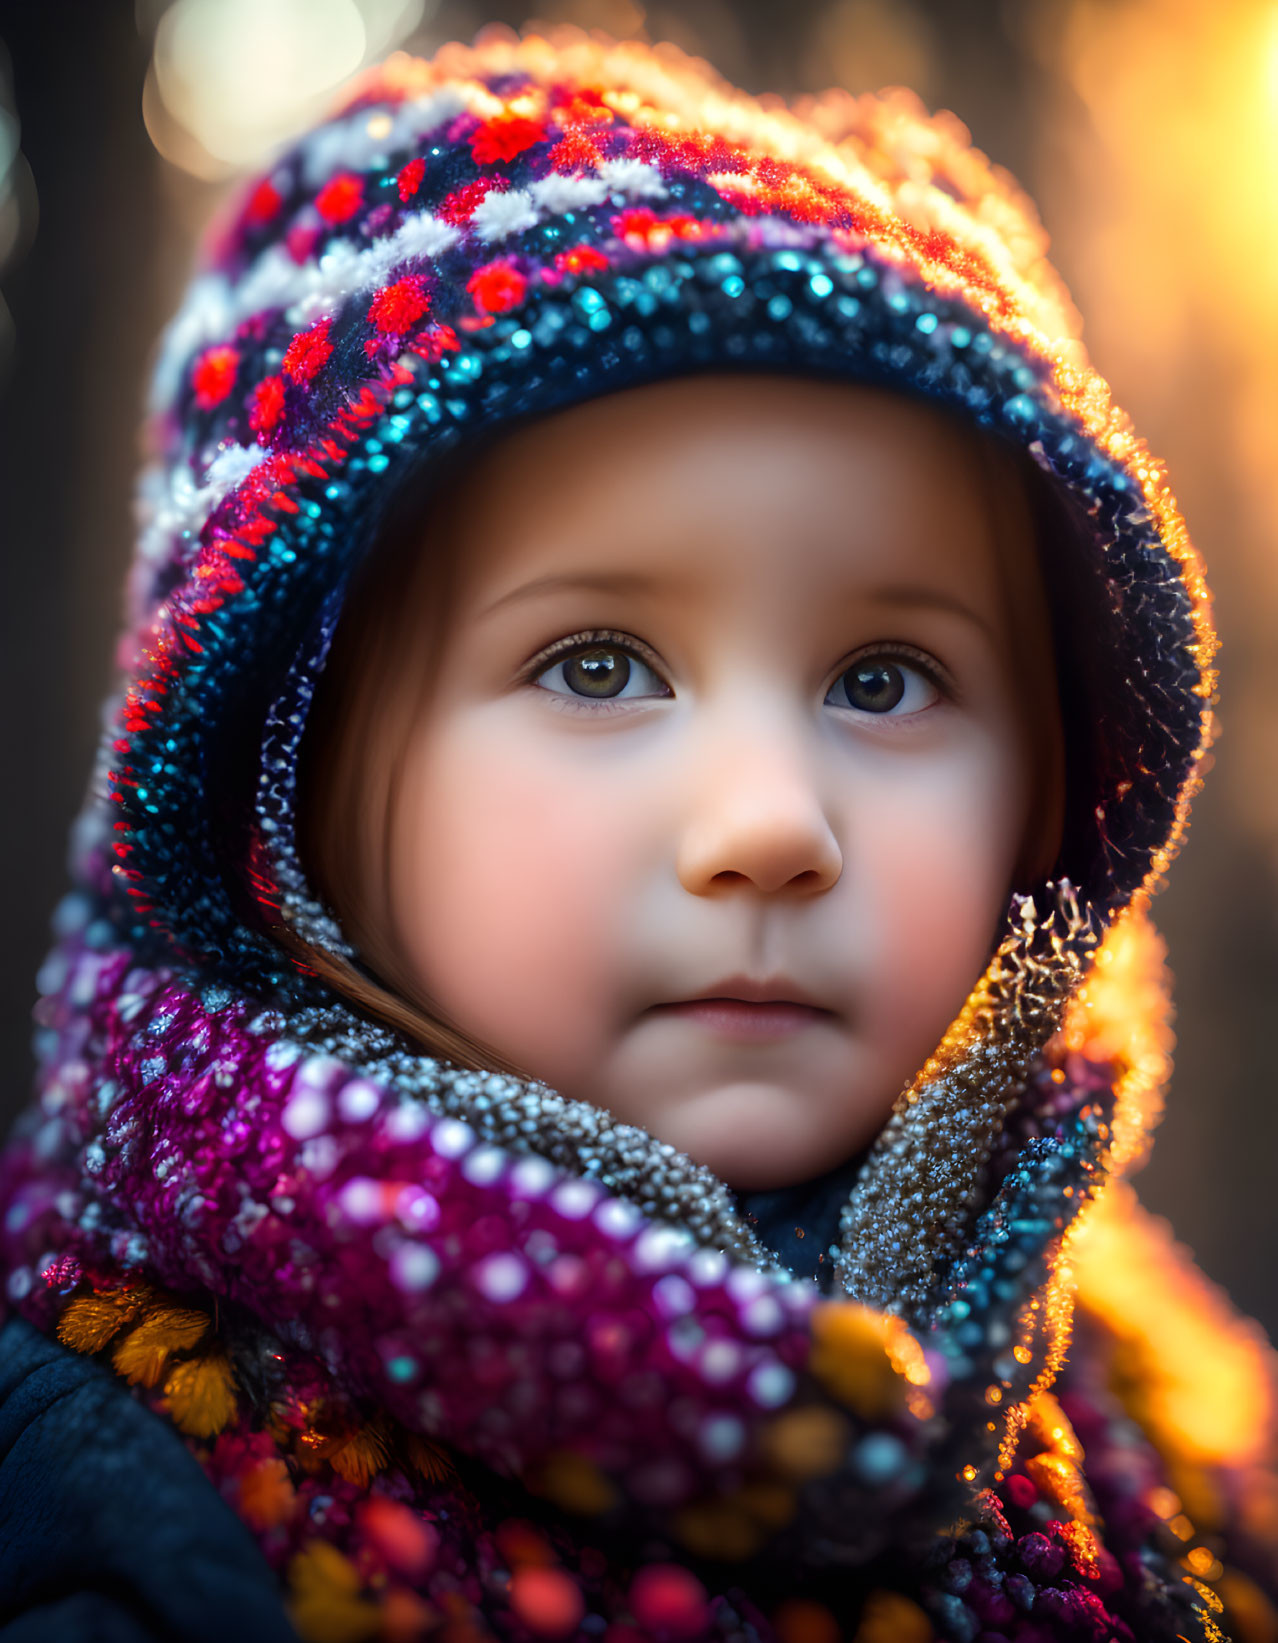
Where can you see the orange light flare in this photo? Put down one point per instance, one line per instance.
(1158, 175)
(905, 1354)
(1121, 1016)
(1206, 1375)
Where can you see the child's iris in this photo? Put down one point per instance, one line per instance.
(602, 672)
(599, 672)
(874, 687)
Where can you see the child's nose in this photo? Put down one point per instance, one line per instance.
(757, 817)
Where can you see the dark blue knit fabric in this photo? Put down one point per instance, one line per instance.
(109, 1530)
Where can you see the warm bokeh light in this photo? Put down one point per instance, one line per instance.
(1272, 60)
(1202, 1373)
(865, 45)
(1196, 1375)
(233, 79)
(1164, 207)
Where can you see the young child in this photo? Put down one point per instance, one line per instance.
(586, 1073)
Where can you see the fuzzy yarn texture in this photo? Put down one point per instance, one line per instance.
(468, 1358)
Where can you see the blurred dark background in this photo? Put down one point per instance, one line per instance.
(1147, 131)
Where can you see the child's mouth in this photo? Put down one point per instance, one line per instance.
(743, 1019)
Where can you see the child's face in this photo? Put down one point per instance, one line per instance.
(729, 702)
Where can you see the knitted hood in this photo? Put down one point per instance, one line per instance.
(497, 232)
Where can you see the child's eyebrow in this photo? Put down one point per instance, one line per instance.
(934, 599)
(589, 581)
(593, 581)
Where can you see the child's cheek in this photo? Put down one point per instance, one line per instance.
(513, 875)
(935, 908)
(928, 868)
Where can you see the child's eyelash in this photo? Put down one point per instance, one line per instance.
(583, 641)
(891, 649)
(897, 650)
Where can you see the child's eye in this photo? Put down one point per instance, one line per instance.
(883, 685)
(601, 672)
(599, 668)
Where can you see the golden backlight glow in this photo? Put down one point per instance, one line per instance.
(231, 80)
(1204, 1377)
(1121, 1016)
(1205, 1374)
(1159, 174)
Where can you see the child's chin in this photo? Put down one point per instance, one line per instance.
(762, 1135)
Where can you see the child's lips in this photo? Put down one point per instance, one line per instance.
(741, 1018)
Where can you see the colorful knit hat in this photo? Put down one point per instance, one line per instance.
(517, 227)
